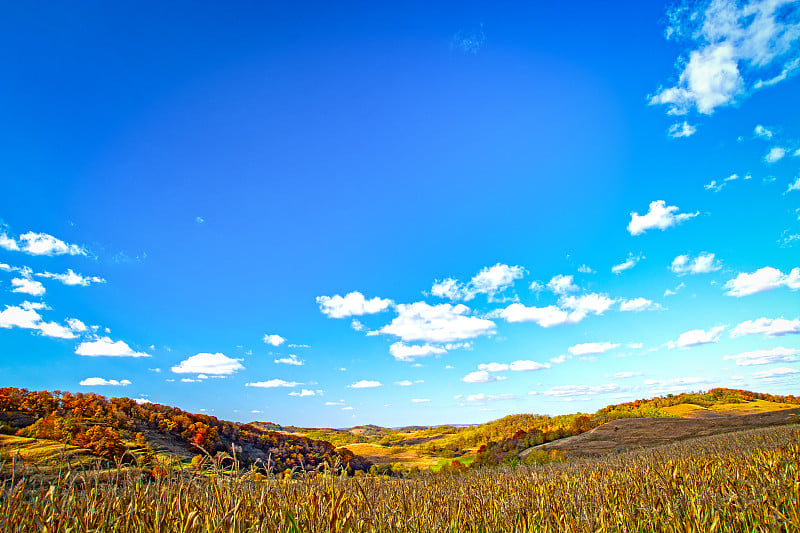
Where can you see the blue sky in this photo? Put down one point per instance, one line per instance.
(408, 214)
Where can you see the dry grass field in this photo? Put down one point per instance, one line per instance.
(744, 481)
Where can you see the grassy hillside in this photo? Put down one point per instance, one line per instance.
(121, 429)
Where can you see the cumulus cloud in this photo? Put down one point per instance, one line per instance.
(761, 131)
(703, 263)
(775, 373)
(274, 340)
(761, 280)
(217, 364)
(292, 359)
(764, 357)
(71, 278)
(55, 330)
(272, 384)
(713, 186)
(40, 244)
(794, 186)
(544, 316)
(590, 303)
(734, 49)
(352, 304)
(585, 269)
(437, 323)
(303, 393)
(696, 337)
(526, 365)
(76, 325)
(588, 348)
(562, 284)
(481, 376)
(581, 390)
(93, 382)
(681, 129)
(659, 216)
(406, 352)
(490, 281)
(493, 367)
(365, 384)
(627, 375)
(627, 264)
(27, 286)
(777, 327)
(775, 154)
(420, 400)
(26, 316)
(636, 305)
(105, 347)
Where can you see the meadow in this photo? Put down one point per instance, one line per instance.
(745, 481)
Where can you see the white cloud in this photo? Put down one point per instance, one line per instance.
(544, 316)
(659, 216)
(55, 330)
(481, 376)
(493, 367)
(341, 402)
(588, 303)
(27, 286)
(406, 352)
(24, 316)
(272, 384)
(437, 323)
(217, 364)
(627, 264)
(703, 263)
(352, 304)
(526, 365)
(420, 400)
(581, 390)
(563, 358)
(673, 292)
(775, 373)
(562, 284)
(714, 186)
(696, 337)
(591, 348)
(732, 45)
(481, 398)
(44, 244)
(761, 131)
(764, 357)
(141, 401)
(636, 305)
(292, 359)
(761, 280)
(8, 243)
(404, 383)
(681, 129)
(76, 325)
(71, 278)
(777, 327)
(794, 186)
(93, 382)
(775, 154)
(274, 340)
(489, 281)
(104, 346)
(627, 375)
(585, 269)
(365, 384)
(357, 325)
(303, 393)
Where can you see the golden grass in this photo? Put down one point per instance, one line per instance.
(690, 410)
(408, 457)
(748, 481)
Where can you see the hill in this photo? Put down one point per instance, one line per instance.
(122, 429)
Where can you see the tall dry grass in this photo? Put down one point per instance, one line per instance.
(748, 481)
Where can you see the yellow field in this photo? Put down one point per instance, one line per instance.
(690, 410)
(391, 454)
(748, 481)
